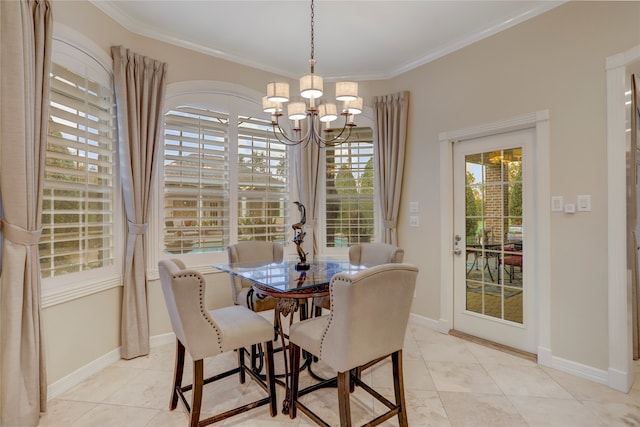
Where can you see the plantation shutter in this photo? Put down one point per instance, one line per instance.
(77, 215)
(349, 191)
(262, 182)
(196, 181)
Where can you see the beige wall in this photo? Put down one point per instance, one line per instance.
(555, 61)
(80, 331)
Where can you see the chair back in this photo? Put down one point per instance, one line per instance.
(184, 295)
(370, 254)
(259, 251)
(369, 315)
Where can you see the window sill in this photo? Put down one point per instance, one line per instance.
(68, 292)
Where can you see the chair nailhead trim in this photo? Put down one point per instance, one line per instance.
(203, 309)
(324, 334)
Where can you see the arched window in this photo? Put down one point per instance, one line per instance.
(224, 179)
(80, 215)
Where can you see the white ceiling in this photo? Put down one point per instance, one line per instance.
(354, 39)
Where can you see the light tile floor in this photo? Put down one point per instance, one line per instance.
(448, 382)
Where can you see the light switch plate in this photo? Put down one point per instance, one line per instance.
(569, 208)
(584, 203)
(557, 204)
(414, 207)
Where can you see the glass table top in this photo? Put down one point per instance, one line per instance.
(283, 277)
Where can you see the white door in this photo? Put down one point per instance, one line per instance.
(494, 294)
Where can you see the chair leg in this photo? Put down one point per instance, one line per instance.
(294, 357)
(256, 357)
(196, 398)
(241, 365)
(344, 380)
(276, 333)
(271, 379)
(355, 373)
(398, 387)
(177, 374)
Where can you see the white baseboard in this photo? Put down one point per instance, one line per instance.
(578, 369)
(621, 381)
(423, 321)
(67, 382)
(616, 380)
(545, 358)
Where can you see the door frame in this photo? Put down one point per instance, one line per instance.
(519, 335)
(540, 234)
(620, 372)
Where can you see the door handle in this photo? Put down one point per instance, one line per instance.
(456, 244)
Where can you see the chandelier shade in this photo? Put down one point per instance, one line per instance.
(297, 110)
(346, 91)
(328, 112)
(315, 111)
(278, 92)
(354, 106)
(311, 86)
(270, 107)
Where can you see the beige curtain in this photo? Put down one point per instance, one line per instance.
(25, 55)
(390, 113)
(632, 218)
(307, 173)
(139, 86)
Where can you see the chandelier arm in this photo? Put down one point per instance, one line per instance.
(334, 142)
(336, 139)
(288, 140)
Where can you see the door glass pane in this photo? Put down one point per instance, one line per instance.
(494, 234)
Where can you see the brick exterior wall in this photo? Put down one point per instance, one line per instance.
(496, 198)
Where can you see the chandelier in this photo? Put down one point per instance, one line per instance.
(311, 109)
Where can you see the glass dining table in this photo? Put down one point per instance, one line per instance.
(282, 280)
(291, 288)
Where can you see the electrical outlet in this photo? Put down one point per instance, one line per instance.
(414, 221)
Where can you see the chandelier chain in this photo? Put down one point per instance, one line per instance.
(312, 32)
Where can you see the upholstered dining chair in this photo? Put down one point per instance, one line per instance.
(242, 293)
(367, 254)
(203, 333)
(241, 289)
(354, 334)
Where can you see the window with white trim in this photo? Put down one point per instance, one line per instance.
(225, 180)
(262, 183)
(78, 198)
(349, 203)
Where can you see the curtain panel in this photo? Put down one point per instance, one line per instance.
(390, 114)
(25, 54)
(307, 173)
(140, 84)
